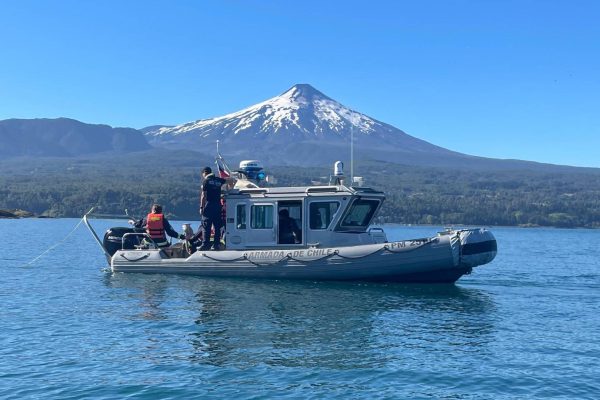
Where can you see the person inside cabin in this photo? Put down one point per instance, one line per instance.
(157, 227)
(210, 209)
(289, 233)
(316, 221)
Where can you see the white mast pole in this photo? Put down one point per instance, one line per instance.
(351, 155)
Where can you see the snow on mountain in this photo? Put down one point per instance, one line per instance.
(286, 112)
(299, 121)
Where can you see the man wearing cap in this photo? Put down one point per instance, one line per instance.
(210, 208)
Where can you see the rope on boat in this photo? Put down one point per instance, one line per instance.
(335, 253)
(265, 264)
(137, 259)
(54, 245)
(285, 258)
(232, 260)
(288, 256)
(383, 248)
(243, 258)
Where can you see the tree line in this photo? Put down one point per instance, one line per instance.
(415, 195)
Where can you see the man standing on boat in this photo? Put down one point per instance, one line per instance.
(158, 227)
(210, 208)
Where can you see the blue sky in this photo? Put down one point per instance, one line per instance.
(504, 79)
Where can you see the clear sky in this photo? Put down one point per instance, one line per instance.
(504, 79)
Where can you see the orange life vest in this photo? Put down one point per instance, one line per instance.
(155, 226)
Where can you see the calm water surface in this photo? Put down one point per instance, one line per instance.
(525, 326)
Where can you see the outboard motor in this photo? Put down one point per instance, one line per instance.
(478, 247)
(113, 239)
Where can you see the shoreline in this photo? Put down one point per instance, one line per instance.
(28, 215)
(17, 214)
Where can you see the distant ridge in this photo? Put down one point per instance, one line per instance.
(64, 137)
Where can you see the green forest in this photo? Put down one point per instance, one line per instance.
(415, 195)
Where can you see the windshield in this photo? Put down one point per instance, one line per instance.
(360, 214)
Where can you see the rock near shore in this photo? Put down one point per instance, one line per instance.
(15, 214)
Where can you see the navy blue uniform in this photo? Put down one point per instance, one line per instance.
(211, 213)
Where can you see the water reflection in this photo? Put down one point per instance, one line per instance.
(307, 324)
(147, 290)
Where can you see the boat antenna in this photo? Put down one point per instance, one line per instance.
(351, 154)
(218, 147)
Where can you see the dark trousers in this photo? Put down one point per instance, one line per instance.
(208, 222)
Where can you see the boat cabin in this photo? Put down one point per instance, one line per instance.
(325, 216)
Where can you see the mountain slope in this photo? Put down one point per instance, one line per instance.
(63, 137)
(301, 125)
(304, 127)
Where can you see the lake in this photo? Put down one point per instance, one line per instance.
(525, 326)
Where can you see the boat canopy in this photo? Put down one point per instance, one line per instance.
(325, 215)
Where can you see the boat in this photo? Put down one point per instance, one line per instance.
(337, 242)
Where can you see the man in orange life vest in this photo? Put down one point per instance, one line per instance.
(156, 226)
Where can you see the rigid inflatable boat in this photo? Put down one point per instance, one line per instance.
(336, 242)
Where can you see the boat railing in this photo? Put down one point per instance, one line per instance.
(321, 189)
(144, 235)
(254, 190)
(378, 234)
(94, 234)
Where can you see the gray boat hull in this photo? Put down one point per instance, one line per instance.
(443, 259)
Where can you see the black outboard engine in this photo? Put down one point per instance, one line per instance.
(113, 239)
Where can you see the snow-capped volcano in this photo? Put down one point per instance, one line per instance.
(296, 122)
(301, 110)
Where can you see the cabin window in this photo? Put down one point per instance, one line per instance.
(289, 222)
(360, 214)
(240, 216)
(321, 214)
(261, 217)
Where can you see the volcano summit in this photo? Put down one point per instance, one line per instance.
(300, 126)
(304, 127)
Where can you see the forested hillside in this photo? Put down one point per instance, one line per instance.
(415, 195)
